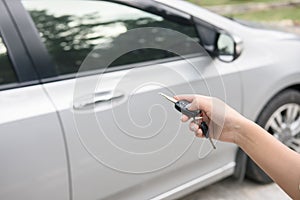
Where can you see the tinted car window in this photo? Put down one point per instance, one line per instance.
(7, 74)
(70, 30)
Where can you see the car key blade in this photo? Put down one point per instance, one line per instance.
(212, 143)
(168, 97)
(205, 131)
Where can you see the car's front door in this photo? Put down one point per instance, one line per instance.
(124, 140)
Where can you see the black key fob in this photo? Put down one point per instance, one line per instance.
(181, 106)
(204, 129)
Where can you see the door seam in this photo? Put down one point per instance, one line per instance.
(65, 144)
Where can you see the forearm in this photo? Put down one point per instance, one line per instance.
(277, 160)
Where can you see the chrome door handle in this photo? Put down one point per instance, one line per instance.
(101, 97)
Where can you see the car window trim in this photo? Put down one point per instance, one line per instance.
(11, 86)
(34, 47)
(17, 55)
(156, 8)
(118, 68)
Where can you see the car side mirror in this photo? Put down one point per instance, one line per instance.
(228, 48)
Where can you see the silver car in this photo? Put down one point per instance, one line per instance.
(62, 138)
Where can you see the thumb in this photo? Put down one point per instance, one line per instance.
(202, 103)
(198, 102)
(191, 98)
(194, 105)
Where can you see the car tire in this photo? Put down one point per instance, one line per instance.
(281, 108)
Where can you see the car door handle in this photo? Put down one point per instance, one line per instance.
(100, 97)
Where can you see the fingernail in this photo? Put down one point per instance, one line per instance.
(194, 128)
(181, 118)
(198, 135)
(188, 106)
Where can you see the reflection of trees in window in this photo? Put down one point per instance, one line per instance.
(70, 38)
(7, 74)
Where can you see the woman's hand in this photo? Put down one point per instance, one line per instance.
(224, 122)
(277, 160)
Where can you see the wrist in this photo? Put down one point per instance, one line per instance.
(241, 134)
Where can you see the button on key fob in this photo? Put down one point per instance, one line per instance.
(182, 106)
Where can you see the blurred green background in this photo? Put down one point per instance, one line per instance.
(223, 2)
(274, 12)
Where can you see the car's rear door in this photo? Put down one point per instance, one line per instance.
(32, 150)
(124, 140)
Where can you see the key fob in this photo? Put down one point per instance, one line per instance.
(203, 126)
(181, 106)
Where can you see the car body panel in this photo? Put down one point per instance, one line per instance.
(33, 157)
(278, 78)
(93, 179)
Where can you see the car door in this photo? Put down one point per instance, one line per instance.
(124, 140)
(32, 147)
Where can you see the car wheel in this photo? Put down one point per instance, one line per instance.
(281, 118)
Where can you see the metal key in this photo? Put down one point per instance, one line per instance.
(181, 106)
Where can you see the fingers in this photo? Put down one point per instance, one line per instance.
(190, 98)
(199, 133)
(184, 118)
(195, 128)
(187, 97)
(198, 102)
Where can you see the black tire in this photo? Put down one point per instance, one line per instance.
(253, 172)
